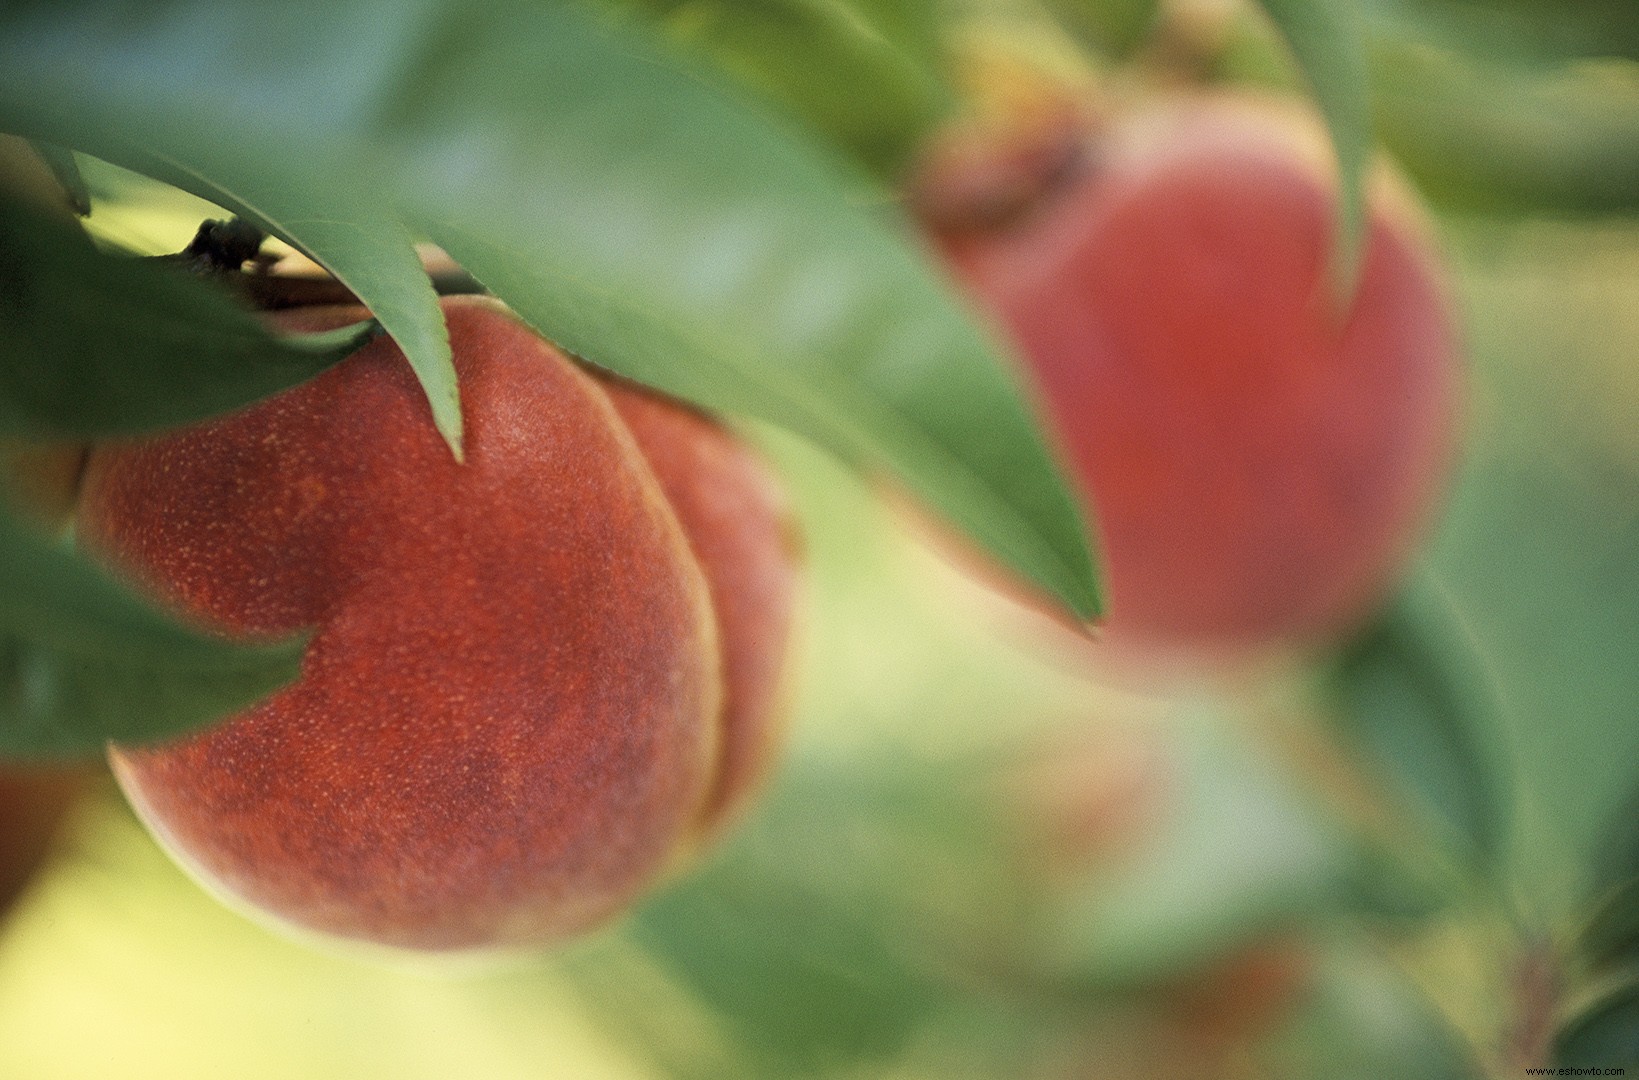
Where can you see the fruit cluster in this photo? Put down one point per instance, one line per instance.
(536, 678)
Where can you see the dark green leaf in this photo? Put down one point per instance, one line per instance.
(736, 276)
(1611, 937)
(1525, 33)
(67, 171)
(363, 246)
(97, 344)
(84, 661)
(1485, 136)
(1605, 1035)
(374, 257)
(1413, 694)
(1392, 889)
(868, 74)
(615, 199)
(1115, 27)
(1330, 48)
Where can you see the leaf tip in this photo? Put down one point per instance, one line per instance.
(450, 427)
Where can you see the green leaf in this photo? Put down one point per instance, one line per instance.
(1491, 137)
(707, 255)
(867, 74)
(1364, 1020)
(1238, 853)
(618, 201)
(1525, 33)
(1413, 694)
(67, 171)
(1115, 27)
(1539, 545)
(1392, 889)
(83, 661)
(366, 249)
(1604, 1035)
(1329, 46)
(98, 344)
(825, 935)
(1611, 937)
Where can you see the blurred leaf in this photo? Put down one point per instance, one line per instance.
(1251, 55)
(67, 171)
(1115, 27)
(868, 74)
(1611, 937)
(1605, 1035)
(622, 206)
(1541, 545)
(1330, 48)
(1392, 888)
(1413, 694)
(1238, 854)
(827, 934)
(84, 661)
(1488, 137)
(1518, 32)
(1365, 1021)
(1616, 859)
(97, 344)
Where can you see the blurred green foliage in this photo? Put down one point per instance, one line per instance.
(1413, 694)
(867, 75)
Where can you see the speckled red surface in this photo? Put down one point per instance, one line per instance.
(1259, 461)
(507, 717)
(741, 530)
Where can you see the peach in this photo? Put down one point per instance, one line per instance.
(742, 533)
(510, 716)
(1259, 454)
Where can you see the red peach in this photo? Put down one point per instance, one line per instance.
(1260, 457)
(741, 531)
(507, 722)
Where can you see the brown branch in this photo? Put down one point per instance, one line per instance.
(229, 252)
(1535, 992)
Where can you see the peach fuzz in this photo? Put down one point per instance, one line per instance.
(509, 719)
(741, 530)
